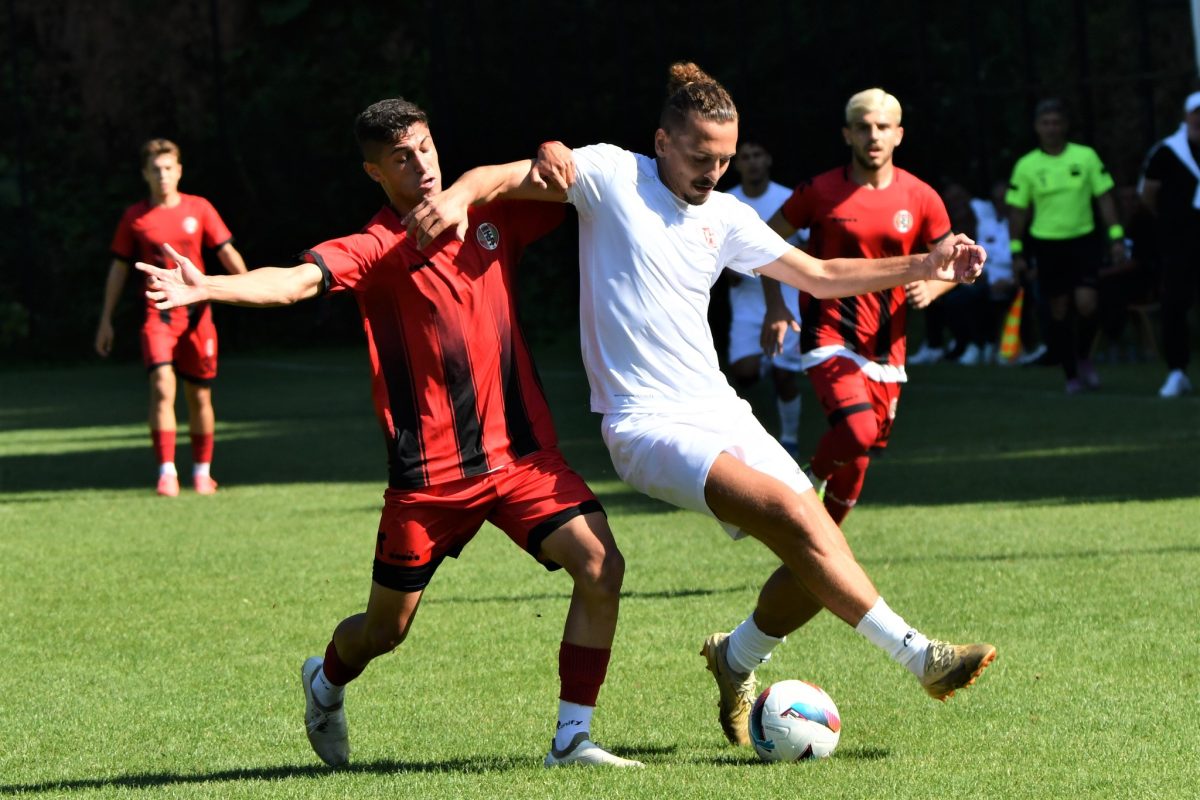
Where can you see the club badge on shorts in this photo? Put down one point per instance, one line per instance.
(488, 236)
(903, 221)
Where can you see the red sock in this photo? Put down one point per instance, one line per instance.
(336, 670)
(202, 448)
(844, 487)
(581, 672)
(164, 445)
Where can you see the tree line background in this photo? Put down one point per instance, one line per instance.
(261, 97)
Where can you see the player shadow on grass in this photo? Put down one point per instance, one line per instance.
(149, 780)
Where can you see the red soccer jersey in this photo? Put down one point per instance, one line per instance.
(188, 227)
(454, 384)
(850, 221)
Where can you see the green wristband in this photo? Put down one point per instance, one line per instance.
(1016, 246)
(1116, 233)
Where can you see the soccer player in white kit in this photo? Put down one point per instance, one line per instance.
(653, 236)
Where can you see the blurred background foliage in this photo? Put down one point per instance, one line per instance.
(261, 96)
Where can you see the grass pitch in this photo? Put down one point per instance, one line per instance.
(152, 646)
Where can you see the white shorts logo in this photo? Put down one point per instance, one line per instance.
(903, 221)
(190, 225)
(488, 236)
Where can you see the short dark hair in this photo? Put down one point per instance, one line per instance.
(382, 123)
(1051, 105)
(690, 88)
(158, 147)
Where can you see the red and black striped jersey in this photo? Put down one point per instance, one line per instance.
(453, 381)
(851, 221)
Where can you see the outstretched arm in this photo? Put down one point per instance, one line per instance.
(185, 285)
(956, 258)
(545, 178)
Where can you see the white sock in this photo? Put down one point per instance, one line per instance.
(201, 469)
(326, 693)
(789, 419)
(888, 631)
(749, 647)
(167, 468)
(572, 718)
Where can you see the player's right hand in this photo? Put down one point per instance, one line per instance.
(172, 288)
(774, 329)
(104, 338)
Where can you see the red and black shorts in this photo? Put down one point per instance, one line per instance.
(528, 499)
(844, 390)
(188, 341)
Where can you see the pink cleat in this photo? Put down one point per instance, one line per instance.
(204, 484)
(168, 485)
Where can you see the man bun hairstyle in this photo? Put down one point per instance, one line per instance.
(382, 124)
(691, 89)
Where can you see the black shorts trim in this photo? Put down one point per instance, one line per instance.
(533, 544)
(841, 413)
(406, 579)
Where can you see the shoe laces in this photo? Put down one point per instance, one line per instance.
(941, 657)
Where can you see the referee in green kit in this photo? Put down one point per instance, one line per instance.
(1052, 231)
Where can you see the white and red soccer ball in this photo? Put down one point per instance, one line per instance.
(793, 721)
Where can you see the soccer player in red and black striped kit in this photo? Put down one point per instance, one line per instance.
(179, 342)
(852, 349)
(468, 429)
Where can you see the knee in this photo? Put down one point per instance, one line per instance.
(602, 574)
(859, 432)
(384, 637)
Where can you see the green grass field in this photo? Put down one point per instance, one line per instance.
(151, 647)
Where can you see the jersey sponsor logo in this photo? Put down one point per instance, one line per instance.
(903, 221)
(488, 236)
(190, 225)
(710, 238)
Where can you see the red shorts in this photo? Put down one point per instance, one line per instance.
(186, 340)
(843, 390)
(528, 500)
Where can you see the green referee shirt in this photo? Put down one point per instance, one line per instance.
(1061, 189)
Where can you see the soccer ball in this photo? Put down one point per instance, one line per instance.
(794, 720)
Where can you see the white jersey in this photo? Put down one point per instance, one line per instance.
(647, 262)
(746, 298)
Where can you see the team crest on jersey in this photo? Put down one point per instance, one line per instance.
(191, 225)
(903, 220)
(710, 238)
(488, 236)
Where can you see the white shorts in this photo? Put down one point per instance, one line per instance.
(745, 339)
(667, 455)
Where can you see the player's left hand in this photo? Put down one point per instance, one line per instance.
(956, 258)
(437, 214)
(919, 294)
(554, 167)
(171, 288)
